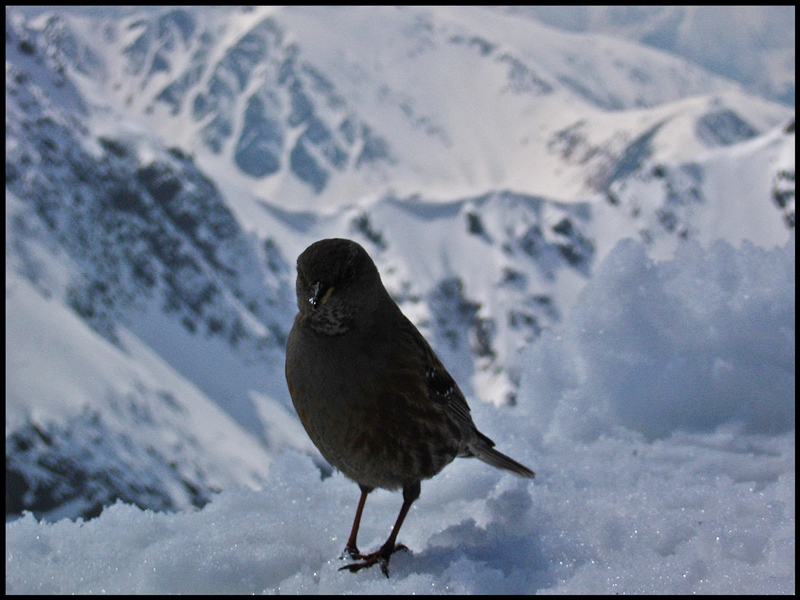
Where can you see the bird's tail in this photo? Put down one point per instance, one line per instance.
(482, 449)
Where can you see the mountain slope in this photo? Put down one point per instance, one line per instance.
(89, 422)
(455, 102)
(754, 45)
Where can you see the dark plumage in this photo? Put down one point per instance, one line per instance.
(369, 390)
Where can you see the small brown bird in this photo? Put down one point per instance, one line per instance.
(369, 390)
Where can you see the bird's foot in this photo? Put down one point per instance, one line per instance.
(380, 557)
(351, 552)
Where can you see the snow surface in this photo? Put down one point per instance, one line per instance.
(659, 420)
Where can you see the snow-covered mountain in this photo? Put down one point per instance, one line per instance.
(754, 45)
(452, 101)
(164, 171)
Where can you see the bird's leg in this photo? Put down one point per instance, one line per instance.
(351, 549)
(382, 556)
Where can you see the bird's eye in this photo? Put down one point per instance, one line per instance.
(320, 294)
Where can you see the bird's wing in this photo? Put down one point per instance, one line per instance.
(442, 389)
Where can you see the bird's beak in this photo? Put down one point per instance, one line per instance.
(320, 294)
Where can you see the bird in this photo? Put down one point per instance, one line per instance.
(370, 391)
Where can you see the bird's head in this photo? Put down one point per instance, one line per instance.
(338, 285)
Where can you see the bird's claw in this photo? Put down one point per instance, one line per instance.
(381, 557)
(351, 552)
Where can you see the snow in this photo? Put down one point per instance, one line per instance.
(466, 99)
(659, 420)
(132, 391)
(754, 45)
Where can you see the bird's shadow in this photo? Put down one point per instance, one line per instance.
(512, 556)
